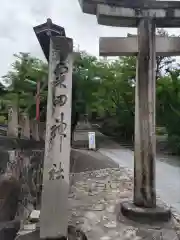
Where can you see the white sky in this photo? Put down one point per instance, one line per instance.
(18, 17)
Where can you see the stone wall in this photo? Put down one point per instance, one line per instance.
(26, 166)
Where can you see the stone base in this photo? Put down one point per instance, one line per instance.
(73, 234)
(145, 215)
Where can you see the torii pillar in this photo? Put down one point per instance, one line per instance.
(145, 46)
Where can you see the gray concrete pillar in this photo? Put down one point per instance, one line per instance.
(144, 163)
(25, 126)
(42, 130)
(34, 129)
(12, 122)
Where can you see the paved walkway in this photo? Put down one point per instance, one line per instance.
(167, 170)
(167, 166)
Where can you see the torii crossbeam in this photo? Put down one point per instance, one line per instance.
(128, 46)
(127, 13)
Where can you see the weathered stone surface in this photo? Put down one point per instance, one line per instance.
(16, 143)
(25, 125)
(145, 117)
(89, 6)
(9, 229)
(34, 125)
(128, 46)
(157, 214)
(26, 167)
(12, 121)
(57, 147)
(73, 234)
(34, 216)
(108, 223)
(9, 196)
(126, 14)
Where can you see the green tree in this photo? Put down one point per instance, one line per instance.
(116, 96)
(168, 103)
(106, 88)
(162, 62)
(21, 91)
(86, 74)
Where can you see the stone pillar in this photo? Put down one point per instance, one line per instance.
(12, 122)
(42, 129)
(54, 208)
(144, 163)
(34, 129)
(25, 126)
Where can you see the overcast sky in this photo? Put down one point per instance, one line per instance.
(18, 17)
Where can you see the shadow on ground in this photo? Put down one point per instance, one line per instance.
(86, 160)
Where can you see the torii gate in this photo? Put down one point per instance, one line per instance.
(146, 16)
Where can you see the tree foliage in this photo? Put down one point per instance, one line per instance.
(105, 90)
(21, 91)
(168, 107)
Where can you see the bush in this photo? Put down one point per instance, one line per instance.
(110, 126)
(161, 131)
(2, 120)
(174, 143)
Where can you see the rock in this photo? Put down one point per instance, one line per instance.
(105, 238)
(130, 234)
(105, 218)
(30, 227)
(10, 190)
(98, 207)
(92, 217)
(34, 216)
(114, 185)
(110, 208)
(86, 228)
(76, 214)
(73, 234)
(30, 236)
(8, 230)
(125, 194)
(111, 224)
